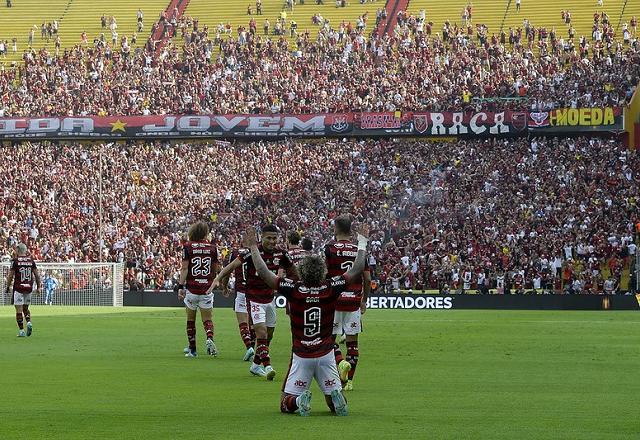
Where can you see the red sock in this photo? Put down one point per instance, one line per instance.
(27, 313)
(19, 320)
(245, 334)
(208, 328)
(253, 338)
(262, 352)
(288, 403)
(352, 357)
(191, 334)
(337, 353)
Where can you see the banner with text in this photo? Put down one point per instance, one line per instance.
(578, 120)
(152, 298)
(415, 124)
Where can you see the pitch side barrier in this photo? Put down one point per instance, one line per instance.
(277, 126)
(431, 302)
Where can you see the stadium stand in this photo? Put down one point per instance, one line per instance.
(235, 14)
(334, 74)
(563, 208)
(73, 19)
(436, 208)
(500, 15)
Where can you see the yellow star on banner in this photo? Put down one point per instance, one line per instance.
(118, 125)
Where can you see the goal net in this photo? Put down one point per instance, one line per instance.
(74, 284)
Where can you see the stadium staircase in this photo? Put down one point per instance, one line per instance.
(625, 277)
(393, 7)
(624, 6)
(506, 11)
(159, 35)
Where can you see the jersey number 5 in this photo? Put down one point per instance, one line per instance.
(312, 318)
(346, 265)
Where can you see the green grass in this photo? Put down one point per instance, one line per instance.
(120, 374)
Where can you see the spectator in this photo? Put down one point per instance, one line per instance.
(450, 71)
(501, 208)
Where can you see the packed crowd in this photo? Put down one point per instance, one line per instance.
(343, 69)
(555, 212)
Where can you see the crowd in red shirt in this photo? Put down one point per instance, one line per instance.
(343, 69)
(435, 208)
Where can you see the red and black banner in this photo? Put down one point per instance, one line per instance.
(416, 124)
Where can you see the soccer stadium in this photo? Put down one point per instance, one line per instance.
(204, 204)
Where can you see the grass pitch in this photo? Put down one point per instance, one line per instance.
(109, 373)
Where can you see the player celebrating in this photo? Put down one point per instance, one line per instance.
(199, 265)
(297, 249)
(340, 255)
(260, 298)
(239, 284)
(312, 302)
(22, 274)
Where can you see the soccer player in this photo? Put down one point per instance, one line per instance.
(340, 255)
(21, 276)
(298, 247)
(50, 286)
(199, 266)
(239, 285)
(312, 300)
(260, 298)
(297, 251)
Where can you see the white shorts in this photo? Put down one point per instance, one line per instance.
(349, 322)
(263, 313)
(20, 299)
(241, 303)
(303, 370)
(194, 302)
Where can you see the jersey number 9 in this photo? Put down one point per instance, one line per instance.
(312, 318)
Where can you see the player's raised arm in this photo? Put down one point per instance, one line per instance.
(366, 290)
(224, 274)
(358, 264)
(249, 241)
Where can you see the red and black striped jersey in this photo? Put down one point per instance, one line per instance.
(340, 256)
(202, 257)
(23, 274)
(311, 310)
(298, 254)
(238, 274)
(256, 289)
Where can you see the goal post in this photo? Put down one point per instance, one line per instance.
(75, 284)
